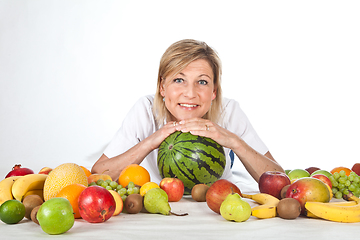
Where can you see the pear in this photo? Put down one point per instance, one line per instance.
(156, 201)
(234, 208)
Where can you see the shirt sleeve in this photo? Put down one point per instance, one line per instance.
(237, 122)
(137, 125)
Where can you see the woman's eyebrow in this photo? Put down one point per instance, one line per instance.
(201, 75)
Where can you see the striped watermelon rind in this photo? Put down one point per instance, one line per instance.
(192, 159)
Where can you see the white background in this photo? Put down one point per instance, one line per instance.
(71, 70)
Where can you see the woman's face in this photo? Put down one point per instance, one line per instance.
(189, 93)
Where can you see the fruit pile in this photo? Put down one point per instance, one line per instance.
(76, 191)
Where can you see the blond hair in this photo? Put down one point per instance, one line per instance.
(174, 60)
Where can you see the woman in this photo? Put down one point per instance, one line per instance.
(188, 98)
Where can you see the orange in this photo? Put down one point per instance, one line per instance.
(87, 172)
(338, 169)
(61, 176)
(134, 173)
(72, 192)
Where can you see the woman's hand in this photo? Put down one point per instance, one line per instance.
(159, 136)
(206, 128)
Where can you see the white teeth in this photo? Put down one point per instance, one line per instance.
(187, 105)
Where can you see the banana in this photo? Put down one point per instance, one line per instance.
(344, 203)
(336, 212)
(26, 183)
(267, 209)
(5, 188)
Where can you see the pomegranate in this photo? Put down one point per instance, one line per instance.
(96, 204)
(17, 170)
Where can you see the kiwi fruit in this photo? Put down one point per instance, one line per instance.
(133, 203)
(283, 191)
(30, 202)
(33, 214)
(288, 208)
(198, 192)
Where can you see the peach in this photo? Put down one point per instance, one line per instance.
(94, 177)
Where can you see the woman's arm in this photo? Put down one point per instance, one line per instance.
(113, 166)
(254, 162)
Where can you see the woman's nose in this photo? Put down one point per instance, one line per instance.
(190, 91)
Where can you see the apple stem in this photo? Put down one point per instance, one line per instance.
(107, 170)
(178, 214)
(232, 191)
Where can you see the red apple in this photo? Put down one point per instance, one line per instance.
(312, 169)
(272, 182)
(173, 187)
(356, 168)
(308, 189)
(17, 170)
(323, 178)
(217, 193)
(96, 204)
(45, 170)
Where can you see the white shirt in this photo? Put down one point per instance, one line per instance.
(139, 123)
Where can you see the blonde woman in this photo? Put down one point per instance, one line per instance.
(188, 98)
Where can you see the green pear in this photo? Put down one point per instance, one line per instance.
(156, 201)
(234, 208)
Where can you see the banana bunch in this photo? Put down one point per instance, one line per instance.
(18, 187)
(267, 209)
(348, 212)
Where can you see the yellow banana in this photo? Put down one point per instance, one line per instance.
(5, 188)
(39, 192)
(343, 203)
(26, 183)
(267, 209)
(336, 212)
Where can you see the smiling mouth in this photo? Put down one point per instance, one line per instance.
(188, 105)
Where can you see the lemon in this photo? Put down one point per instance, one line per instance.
(147, 186)
(12, 211)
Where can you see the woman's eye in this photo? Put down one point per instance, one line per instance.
(203, 82)
(178, 80)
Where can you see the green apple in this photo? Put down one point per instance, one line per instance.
(56, 216)
(298, 173)
(324, 172)
(287, 171)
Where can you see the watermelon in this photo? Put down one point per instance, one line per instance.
(192, 159)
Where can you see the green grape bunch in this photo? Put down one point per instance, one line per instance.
(131, 188)
(342, 184)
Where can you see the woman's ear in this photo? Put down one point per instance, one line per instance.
(162, 87)
(214, 94)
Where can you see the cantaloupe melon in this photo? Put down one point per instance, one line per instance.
(62, 176)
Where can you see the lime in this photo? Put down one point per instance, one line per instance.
(12, 211)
